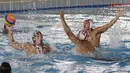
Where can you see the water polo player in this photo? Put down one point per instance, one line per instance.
(38, 47)
(90, 39)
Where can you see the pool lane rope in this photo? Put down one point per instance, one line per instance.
(66, 7)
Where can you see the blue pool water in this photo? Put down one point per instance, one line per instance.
(108, 58)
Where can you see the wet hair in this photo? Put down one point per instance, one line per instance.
(5, 68)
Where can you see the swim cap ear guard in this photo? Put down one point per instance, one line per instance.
(36, 32)
(89, 22)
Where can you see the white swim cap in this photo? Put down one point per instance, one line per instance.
(89, 22)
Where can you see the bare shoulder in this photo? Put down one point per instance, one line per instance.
(97, 29)
(30, 48)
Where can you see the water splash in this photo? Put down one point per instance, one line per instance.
(115, 36)
(31, 15)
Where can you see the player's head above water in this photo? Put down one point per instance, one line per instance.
(88, 24)
(37, 38)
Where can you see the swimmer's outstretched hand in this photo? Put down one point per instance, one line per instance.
(120, 12)
(62, 14)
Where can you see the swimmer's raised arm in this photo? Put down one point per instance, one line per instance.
(111, 23)
(67, 30)
(13, 43)
(10, 33)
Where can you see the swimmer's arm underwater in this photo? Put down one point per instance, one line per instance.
(67, 30)
(103, 28)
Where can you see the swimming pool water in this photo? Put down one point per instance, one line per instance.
(64, 60)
